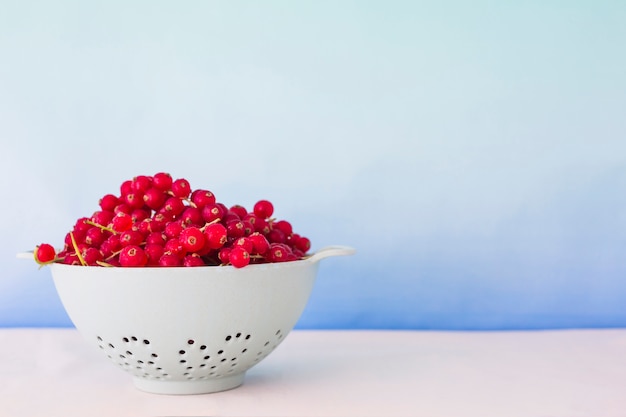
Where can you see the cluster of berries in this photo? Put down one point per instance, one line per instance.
(159, 221)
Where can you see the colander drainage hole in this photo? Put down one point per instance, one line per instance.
(237, 336)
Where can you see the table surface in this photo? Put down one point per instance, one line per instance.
(54, 372)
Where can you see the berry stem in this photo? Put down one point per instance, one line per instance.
(210, 223)
(113, 255)
(77, 251)
(108, 229)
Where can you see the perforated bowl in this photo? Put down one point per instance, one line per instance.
(188, 330)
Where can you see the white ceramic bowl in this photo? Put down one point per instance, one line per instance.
(188, 330)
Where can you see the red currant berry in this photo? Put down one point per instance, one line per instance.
(173, 207)
(154, 198)
(276, 236)
(192, 216)
(239, 210)
(133, 199)
(103, 217)
(156, 238)
(162, 181)
(236, 228)
(131, 238)
(223, 255)
(141, 183)
(154, 253)
(123, 208)
(92, 256)
(45, 254)
(173, 229)
(82, 225)
(239, 257)
(216, 235)
(201, 198)
(139, 215)
(181, 188)
(174, 247)
(95, 236)
(212, 212)
(261, 226)
(283, 226)
(248, 228)
(126, 187)
(263, 209)
(122, 222)
(278, 253)
(260, 243)
(170, 259)
(193, 260)
(159, 221)
(303, 244)
(110, 246)
(245, 243)
(71, 259)
(192, 239)
(109, 202)
(133, 256)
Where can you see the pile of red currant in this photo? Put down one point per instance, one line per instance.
(158, 221)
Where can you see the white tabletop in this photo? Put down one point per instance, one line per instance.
(53, 372)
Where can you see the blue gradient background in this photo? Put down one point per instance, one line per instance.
(474, 153)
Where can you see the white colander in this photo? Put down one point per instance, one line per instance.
(188, 330)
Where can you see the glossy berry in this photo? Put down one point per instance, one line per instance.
(169, 259)
(133, 256)
(303, 244)
(192, 239)
(260, 243)
(283, 226)
(141, 183)
(92, 256)
(263, 209)
(162, 181)
(109, 202)
(154, 198)
(239, 257)
(224, 255)
(173, 207)
(154, 252)
(216, 235)
(181, 188)
(245, 243)
(193, 260)
(122, 222)
(202, 198)
(278, 253)
(239, 210)
(131, 238)
(236, 229)
(44, 254)
(212, 212)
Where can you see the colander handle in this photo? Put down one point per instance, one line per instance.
(331, 251)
